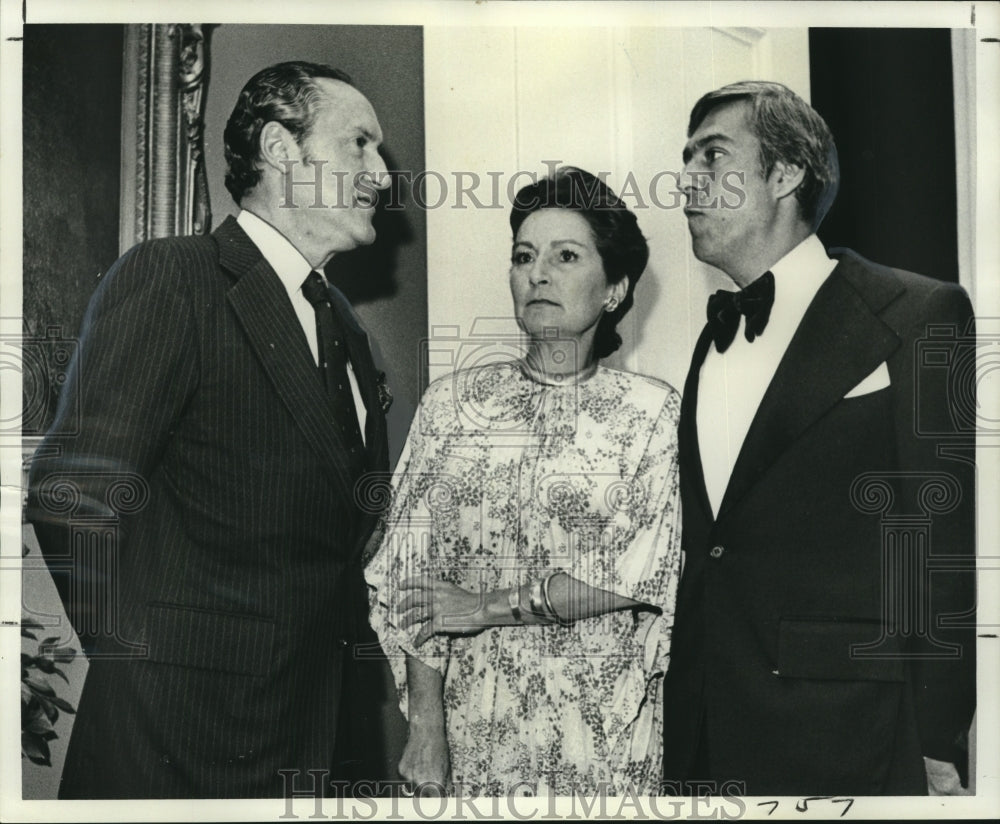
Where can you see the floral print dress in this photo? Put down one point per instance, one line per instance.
(504, 480)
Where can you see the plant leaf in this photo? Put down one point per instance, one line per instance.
(39, 687)
(36, 748)
(39, 725)
(45, 664)
(63, 704)
(50, 711)
(30, 708)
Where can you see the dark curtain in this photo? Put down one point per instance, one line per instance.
(887, 96)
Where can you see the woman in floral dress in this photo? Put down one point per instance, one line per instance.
(524, 586)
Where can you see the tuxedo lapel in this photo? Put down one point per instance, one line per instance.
(840, 340)
(261, 304)
(692, 471)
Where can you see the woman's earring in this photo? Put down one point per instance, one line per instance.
(610, 304)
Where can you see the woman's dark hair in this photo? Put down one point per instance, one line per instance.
(620, 243)
(286, 93)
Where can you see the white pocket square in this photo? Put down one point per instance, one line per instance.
(879, 379)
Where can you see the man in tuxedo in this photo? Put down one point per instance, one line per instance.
(199, 498)
(823, 640)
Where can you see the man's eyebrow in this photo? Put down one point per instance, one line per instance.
(691, 148)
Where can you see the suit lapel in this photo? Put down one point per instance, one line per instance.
(360, 354)
(692, 472)
(261, 304)
(376, 441)
(840, 341)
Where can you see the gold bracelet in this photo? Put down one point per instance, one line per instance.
(514, 599)
(548, 603)
(537, 601)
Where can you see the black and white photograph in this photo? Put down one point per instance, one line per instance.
(499, 409)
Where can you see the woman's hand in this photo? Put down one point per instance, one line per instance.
(442, 607)
(425, 762)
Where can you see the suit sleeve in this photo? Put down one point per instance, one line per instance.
(135, 369)
(937, 449)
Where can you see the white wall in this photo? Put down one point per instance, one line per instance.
(616, 100)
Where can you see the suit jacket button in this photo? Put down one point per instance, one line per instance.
(717, 552)
(342, 643)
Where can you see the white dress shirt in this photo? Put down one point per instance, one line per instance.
(293, 269)
(732, 384)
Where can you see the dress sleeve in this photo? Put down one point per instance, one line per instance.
(638, 553)
(406, 550)
(638, 556)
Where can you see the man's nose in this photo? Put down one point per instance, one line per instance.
(687, 182)
(694, 183)
(379, 173)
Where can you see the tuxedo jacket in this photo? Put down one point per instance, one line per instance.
(823, 638)
(203, 522)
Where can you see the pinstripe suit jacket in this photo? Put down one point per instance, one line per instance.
(198, 512)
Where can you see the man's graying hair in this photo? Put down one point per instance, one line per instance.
(789, 130)
(286, 93)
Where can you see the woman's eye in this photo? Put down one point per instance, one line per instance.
(567, 256)
(361, 142)
(713, 154)
(520, 258)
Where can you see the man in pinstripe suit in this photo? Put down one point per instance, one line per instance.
(197, 497)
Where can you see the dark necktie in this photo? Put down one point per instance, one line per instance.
(332, 348)
(754, 303)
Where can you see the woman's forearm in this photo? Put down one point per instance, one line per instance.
(426, 695)
(573, 600)
(569, 599)
(425, 759)
(442, 608)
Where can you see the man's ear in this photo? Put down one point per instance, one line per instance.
(278, 146)
(785, 178)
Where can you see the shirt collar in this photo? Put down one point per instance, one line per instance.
(797, 278)
(277, 250)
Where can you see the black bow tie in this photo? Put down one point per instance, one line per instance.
(754, 303)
